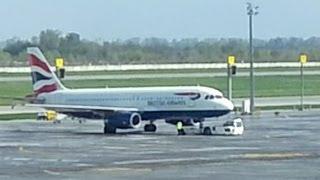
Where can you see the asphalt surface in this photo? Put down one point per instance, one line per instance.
(163, 76)
(273, 147)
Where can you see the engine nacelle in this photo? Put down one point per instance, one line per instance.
(185, 122)
(125, 120)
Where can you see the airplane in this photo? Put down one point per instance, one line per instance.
(125, 108)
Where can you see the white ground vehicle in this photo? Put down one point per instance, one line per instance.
(234, 127)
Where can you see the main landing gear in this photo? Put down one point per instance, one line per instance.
(108, 129)
(150, 127)
(207, 131)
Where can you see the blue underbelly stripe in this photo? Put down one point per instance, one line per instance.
(196, 114)
(153, 115)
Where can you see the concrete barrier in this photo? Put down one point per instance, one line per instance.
(126, 67)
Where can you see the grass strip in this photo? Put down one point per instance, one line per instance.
(266, 86)
(22, 116)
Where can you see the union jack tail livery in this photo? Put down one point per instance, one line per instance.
(44, 79)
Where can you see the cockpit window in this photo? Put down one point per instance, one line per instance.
(213, 97)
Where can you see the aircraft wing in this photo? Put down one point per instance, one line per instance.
(80, 108)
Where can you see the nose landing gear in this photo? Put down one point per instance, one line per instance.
(108, 129)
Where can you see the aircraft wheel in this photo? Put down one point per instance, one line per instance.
(108, 129)
(150, 128)
(207, 131)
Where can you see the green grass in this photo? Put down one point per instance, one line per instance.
(166, 71)
(265, 86)
(8, 117)
(14, 89)
(268, 86)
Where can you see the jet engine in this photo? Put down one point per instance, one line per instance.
(125, 120)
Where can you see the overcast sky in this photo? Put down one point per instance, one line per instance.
(123, 19)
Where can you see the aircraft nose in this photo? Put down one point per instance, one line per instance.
(228, 104)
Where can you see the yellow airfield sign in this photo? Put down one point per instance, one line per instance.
(231, 60)
(303, 58)
(59, 63)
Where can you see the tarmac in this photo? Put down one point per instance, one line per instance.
(282, 146)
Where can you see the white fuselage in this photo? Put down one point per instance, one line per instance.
(146, 99)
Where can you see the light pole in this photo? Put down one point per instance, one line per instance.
(303, 59)
(251, 11)
(231, 65)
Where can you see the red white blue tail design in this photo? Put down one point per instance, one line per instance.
(44, 79)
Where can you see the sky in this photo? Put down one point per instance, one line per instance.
(171, 19)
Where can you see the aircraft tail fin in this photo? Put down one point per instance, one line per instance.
(44, 80)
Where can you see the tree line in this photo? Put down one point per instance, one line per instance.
(78, 51)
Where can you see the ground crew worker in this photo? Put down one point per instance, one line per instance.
(180, 128)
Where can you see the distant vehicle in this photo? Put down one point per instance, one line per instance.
(50, 116)
(124, 108)
(234, 127)
(47, 115)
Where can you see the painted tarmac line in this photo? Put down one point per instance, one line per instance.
(152, 161)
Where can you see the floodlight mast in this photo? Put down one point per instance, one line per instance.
(251, 11)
